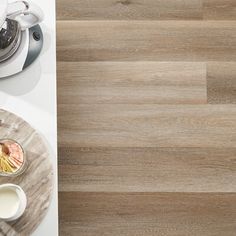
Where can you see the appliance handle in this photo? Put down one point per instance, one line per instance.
(25, 12)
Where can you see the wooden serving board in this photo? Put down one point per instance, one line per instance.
(36, 181)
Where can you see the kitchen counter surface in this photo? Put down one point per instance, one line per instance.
(32, 96)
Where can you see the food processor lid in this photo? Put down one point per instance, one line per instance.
(10, 37)
(3, 11)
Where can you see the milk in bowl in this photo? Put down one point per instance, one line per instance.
(12, 202)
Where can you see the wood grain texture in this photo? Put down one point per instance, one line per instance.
(36, 181)
(147, 169)
(146, 40)
(219, 9)
(221, 82)
(146, 10)
(147, 125)
(132, 83)
(146, 117)
(151, 214)
(129, 10)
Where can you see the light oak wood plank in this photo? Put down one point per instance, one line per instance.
(131, 83)
(219, 9)
(146, 10)
(147, 125)
(221, 82)
(140, 150)
(128, 214)
(129, 10)
(146, 40)
(147, 169)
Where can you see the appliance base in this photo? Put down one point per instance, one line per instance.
(30, 47)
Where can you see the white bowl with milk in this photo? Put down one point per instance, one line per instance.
(13, 202)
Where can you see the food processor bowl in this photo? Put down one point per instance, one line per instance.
(10, 37)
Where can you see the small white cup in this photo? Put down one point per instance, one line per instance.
(13, 200)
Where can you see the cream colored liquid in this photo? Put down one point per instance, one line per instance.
(9, 203)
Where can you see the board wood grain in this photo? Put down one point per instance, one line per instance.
(221, 82)
(147, 169)
(129, 214)
(146, 117)
(147, 125)
(219, 9)
(146, 41)
(146, 10)
(132, 83)
(129, 10)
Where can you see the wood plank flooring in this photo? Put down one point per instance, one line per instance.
(124, 83)
(146, 10)
(147, 117)
(147, 41)
(147, 169)
(152, 214)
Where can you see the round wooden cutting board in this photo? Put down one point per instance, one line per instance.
(36, 181)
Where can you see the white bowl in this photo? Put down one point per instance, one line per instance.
(13, 202)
